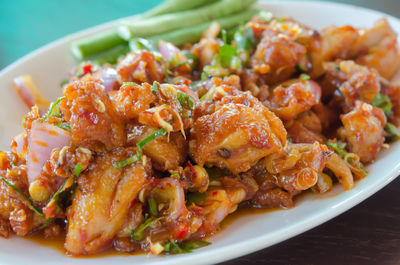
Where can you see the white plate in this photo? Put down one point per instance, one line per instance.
(48, 66)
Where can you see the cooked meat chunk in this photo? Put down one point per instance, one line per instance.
(101, 202)
(140, 67)
(92, 116)
(364, 131)
(233, 137)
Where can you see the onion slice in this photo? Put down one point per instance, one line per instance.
(29, 94)
(42, 140)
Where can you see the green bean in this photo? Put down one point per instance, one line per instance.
(103, 41)
(95, 44)
(168, 22)
(171, 6)
(193, 34)
(110, 56)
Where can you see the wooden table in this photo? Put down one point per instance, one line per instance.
(366, 234)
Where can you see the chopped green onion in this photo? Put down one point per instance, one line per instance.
(125, 84)
(195, 197)
(383, 102)
(185, 100)
(53, 111)
(28, 201)
(138, 233)
(148, 139)
(64, 125)
(155, 87)
(152, 206)
(289, 139)
(78, 170)
(185, 247)
(392, 133)
(47, 223)
(225, 54)
(337, 67)
(305, 77)
(244, 38)
(166, 73)
(338, 147)
(128, 161)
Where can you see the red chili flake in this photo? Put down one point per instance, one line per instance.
(169, 184)
(87, 69)
(50, 211)
(182, 231)
(214, 193)
(133, 202)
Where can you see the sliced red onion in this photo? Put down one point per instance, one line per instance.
(109, 78)
(28, 92)
(170, 191)
(167, 50)
(20, 144)
(42, 140)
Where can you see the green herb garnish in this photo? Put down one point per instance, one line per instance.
(226, 54)
(128, 161)
(195, 197)
(185, 247)
(138, 233)
(54, 110)
(148, 139)
(28, 201)
(152, 206)
(338, 147)
(47, 223)
(155, 87)
(383, 102)
(64, 125)
(78, 170)
(305, 77)
(392, 133)
(185, 100)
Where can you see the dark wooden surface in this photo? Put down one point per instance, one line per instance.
(366, 234)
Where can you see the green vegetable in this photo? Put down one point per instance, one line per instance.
(126, 162)
(244, 38)
(171, 6)
(27, 200)
(96, 44)
(47, 223)
(185, 100)
(290, 140)
(169, 22)
(148, 139)
(225, 54)
(138, 44)
(193, 34)
(392, 134)
(138, 233)
(338, 147)
(155, 87)
(305, 77)
(78, 170)
(185, 247)
(53, 111)
(110, 56)
(383, 101)
(64, 125)
(152, 206)
(195, 197)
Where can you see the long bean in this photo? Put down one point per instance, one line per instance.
(193, 34)
(103, 41)
(171, 6)
(169, 22)
(95, 44)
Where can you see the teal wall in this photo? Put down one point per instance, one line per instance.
(26, 25)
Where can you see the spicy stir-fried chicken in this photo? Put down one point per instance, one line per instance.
(180, 138)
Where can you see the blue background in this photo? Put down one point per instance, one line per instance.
(26, 25)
